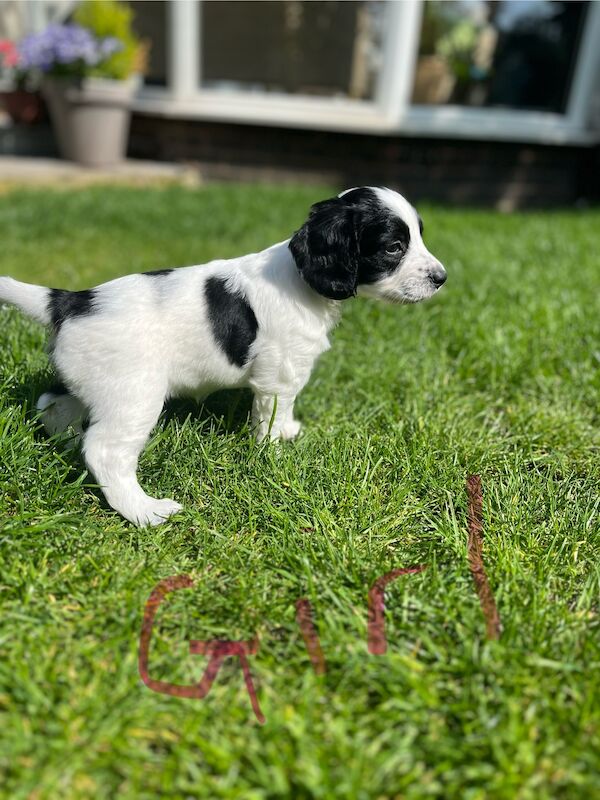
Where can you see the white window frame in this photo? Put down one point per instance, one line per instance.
(390, 112)
(184, 96)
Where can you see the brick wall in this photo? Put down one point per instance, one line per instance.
(499, 174)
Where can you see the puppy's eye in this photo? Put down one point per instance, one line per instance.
(394, 248)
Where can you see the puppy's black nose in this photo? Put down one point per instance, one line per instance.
(438, 278)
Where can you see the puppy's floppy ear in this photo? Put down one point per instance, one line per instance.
(325, 249)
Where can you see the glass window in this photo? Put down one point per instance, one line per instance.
(307, 48)
(150, 21)
(516, 54)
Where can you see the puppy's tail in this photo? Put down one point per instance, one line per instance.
(33, 300)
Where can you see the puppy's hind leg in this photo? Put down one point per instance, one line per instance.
(111, 447)
(61, 411)
(279, 425)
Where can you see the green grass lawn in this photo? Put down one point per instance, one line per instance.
(497, 375)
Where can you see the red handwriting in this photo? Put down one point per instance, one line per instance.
(376, 641)
(310, 635)
(218, 649)
(482, 585)
(215, 649)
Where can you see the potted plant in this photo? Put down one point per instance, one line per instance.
(458, 48)
(23, 102)
(91, 69)
(434, 81)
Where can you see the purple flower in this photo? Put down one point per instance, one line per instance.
(110, 46)
(69, 48)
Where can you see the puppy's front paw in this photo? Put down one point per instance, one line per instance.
(287, 430)
(290, 429)
(156, 512)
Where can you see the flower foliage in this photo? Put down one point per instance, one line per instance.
(66, 50)
(9, 55)
(10, 64)
(110, 19)
(98, 42)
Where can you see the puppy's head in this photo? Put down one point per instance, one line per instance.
(367, 241)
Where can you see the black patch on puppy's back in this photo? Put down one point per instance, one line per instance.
(232, 320)
(64, 304)
(157, 272)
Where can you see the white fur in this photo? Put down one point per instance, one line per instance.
(149, 338)
(410, 284)
(31, 299)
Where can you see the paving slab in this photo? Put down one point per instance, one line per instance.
(28, 171)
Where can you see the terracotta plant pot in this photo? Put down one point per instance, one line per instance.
(25, 108)
(91, 117)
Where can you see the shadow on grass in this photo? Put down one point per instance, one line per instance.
(228, 409)
(226, 412)
(25, 393)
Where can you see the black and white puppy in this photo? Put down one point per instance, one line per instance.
(257, 321)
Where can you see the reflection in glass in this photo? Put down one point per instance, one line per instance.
(150, 20)
(309, 48)
(515, 54)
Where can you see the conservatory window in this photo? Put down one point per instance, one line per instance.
(151, 23)
(318, 49)
(518, 54)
